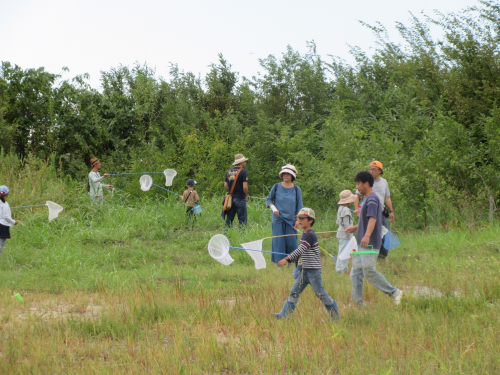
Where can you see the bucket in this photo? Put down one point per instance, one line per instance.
(364, 258)
(197, 210)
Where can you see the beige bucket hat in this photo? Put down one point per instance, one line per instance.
(346, 196)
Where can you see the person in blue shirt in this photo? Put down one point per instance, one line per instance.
(285, 200)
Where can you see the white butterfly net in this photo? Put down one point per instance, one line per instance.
(345, 253)
(54, 210)
(169, 176)
(146, 181)
(218, 248)
(258, 257)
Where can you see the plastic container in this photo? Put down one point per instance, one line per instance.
(197, 210)
(364, 258)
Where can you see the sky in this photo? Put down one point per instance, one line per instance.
(90, 36)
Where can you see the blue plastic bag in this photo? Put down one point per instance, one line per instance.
(391, 241)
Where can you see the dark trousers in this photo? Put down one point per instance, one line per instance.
(238, 207)
(383, 251)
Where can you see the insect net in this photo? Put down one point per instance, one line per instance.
(146, 181)
(54, 210)
(218, 248)
(258, 257)
(391, 241)
(169, 176)
(345, 253)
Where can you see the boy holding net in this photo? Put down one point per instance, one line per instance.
(191, 199)
(311, 268)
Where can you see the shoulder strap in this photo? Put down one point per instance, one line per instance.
(234, 182)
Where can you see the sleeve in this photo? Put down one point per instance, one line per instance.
(183, 196)
(196, 197)
(306, 243)
(372, 208)
(272, 196)
(244, 176)
(387, 191)
(346, 219)
(7, 215)
(104, 186)
(95, 179)
(226, 179)
(298, 202)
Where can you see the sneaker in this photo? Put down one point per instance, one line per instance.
(396, 296)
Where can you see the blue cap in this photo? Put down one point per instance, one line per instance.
(4, 190)
(191, 182)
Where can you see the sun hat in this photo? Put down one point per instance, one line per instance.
(93, 161)
(289, 168)
(239, 158)
(346, 196)
(307, 212)
(378, 165)
(4, 190)
(191, 182)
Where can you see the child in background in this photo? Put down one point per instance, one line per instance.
(311, 267)
(191, 199)
(6, 220)
(344, 221)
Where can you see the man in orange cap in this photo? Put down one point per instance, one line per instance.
(381, 188)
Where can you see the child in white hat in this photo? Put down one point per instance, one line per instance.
(344, 220)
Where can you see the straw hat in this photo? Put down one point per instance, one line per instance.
(290, 169)
(346, 196)
(93, 161)
(239, 158)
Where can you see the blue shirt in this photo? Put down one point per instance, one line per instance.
(288, 201)
(372, 207)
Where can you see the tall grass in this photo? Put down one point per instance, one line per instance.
(128, 287)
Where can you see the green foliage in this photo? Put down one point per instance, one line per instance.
(427, 109)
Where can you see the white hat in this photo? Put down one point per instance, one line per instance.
(346, 196)
(289, 168)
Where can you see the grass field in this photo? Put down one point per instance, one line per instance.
(129, 288)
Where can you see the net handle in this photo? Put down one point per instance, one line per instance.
(161, 187)
(35, 205)
(260, 251)
(124, 174)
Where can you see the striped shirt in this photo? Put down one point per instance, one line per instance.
(308, 250)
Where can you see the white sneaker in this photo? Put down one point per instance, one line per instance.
(396, 296)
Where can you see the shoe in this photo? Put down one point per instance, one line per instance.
(396, 296)
(333, 310)
(288, 308)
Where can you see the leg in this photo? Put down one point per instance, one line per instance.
(357, 279)
(379, 281)
(342, 266)
(298, 287)
(278, 245)
(2, 244)
(317, 284)
(241, 209)
(230, 216)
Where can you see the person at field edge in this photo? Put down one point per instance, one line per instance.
(191, 199)
(240, 192)
(6, 220)
(310, 272)
(285, 201)
(369, 234)
(95, 186)
(381, 188)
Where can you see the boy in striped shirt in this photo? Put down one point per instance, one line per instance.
(311, 267)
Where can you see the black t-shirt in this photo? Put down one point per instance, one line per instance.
(242, 177)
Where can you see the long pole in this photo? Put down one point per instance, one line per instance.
(35, 205)
(161, 187)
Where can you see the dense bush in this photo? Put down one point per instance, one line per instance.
(427, 109)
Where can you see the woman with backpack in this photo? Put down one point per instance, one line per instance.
(285, 201)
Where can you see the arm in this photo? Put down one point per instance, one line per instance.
(356, 204)
(183, 197)
(245, 190)
(369, 231)
(270, 199)
(7, 215)
(226, 186)
(294, 255)
(388, 203)
(93, 177)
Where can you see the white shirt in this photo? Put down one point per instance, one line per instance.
(95, 184)
(5, 215)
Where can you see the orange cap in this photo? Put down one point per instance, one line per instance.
(377, 164)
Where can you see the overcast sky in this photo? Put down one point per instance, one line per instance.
(93, 35)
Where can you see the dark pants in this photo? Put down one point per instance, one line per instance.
(238, 207)
(190, 216)
(383, 251)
